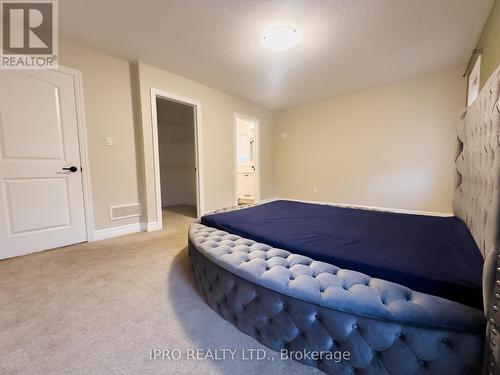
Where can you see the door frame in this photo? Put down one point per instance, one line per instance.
(82, 143)
(200, 196)
(241, 116)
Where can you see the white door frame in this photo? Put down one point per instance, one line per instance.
(82, 142)
(241, 116)
(200, 196)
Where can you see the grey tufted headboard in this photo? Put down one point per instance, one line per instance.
(477, 195)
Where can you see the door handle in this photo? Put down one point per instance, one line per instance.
(71, 169)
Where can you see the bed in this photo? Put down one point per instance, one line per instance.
(401, 293)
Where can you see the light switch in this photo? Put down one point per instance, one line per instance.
(284, 135)
(315, 189)
(109, 141)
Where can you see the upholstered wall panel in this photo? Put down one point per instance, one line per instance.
(477, 194)
(477, 197)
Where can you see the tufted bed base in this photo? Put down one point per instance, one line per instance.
(282, 322)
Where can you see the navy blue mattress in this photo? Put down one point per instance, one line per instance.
(433, 255)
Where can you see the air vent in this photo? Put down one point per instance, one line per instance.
(124, 211)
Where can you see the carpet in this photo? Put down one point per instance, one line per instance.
(108, 307)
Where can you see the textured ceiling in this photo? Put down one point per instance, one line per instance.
(346, 45)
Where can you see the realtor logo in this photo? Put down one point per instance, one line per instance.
(29, 34)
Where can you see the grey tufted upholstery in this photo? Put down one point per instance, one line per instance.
(477, 196)
(278, 298)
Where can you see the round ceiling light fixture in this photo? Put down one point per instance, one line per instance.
(281, 38)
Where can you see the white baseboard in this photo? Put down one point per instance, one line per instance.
(121, 230)
(150, 227)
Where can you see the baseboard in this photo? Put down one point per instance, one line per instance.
(112, 232)
(397, 210)
(150, 227)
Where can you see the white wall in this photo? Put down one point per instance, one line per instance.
(392, 146)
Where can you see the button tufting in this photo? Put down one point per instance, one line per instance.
(254, 318)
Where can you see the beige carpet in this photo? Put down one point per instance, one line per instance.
(100, 308)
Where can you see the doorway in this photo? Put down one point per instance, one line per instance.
(246, 130)
(176, 125)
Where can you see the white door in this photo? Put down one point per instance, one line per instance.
(41, 203)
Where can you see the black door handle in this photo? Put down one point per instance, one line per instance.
(71, 169)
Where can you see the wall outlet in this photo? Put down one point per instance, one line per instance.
(315, 189)
(108, 141)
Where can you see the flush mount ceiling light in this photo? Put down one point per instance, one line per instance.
(281, 38)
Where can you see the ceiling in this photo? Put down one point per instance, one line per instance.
(346, 45)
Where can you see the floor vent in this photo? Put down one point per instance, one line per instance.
(124, 211)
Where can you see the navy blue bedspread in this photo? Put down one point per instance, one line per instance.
(433, 255)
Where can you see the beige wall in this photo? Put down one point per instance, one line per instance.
(117, 104)
(108, 111)
(490, 43)
(392, 146)
(217, 125)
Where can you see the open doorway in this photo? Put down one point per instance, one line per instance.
(247, 159)
(175, 123)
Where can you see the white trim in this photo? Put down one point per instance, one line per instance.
(241, 116)
(82, 142)
(103, 234)
(375, 208)
(150, 227)
(200, 196)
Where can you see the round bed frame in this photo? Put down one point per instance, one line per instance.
(293, 303)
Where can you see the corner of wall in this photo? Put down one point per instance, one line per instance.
(139, 137)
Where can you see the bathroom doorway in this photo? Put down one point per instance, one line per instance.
(247, 159)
